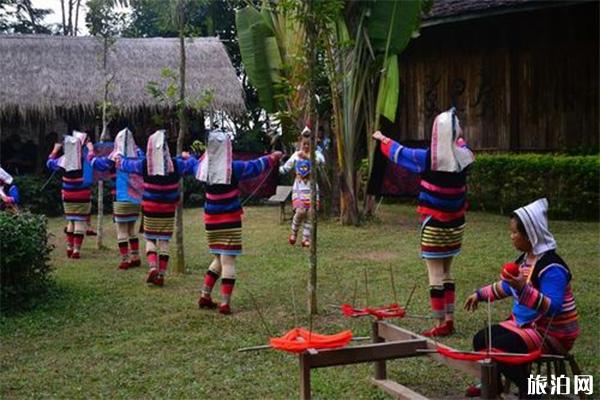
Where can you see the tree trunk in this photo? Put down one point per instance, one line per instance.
(183, 131)
(64, 23)
(348, 200)
(104, 136)
(311, 31)
(70, 24)
(76, 17)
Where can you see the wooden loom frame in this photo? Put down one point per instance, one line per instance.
(392, 342)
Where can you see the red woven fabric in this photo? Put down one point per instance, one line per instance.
(504, 359)
(298, 340)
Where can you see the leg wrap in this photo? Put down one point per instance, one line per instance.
(124, 249)
(135, 246)
(163, 262)
(297, 220)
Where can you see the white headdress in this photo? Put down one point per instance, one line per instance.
(72, 148)
(535, 220)
(215, 165)
(447, 153)
(124, 145)
(158, 157)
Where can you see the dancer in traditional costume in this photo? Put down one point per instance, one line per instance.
(161, 175)
(76, 187)
(300, 163)
(9, 193)
(126, 190)
(223, 212)
(442, 205)
(544, 315)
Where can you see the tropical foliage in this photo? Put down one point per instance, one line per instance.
(359, 43)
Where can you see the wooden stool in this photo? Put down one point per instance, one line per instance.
(547, 366)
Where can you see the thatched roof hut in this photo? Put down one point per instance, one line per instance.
(42, 75)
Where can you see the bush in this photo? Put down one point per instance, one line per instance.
(24, 260)
(193, 192)
(502, 183)
(38, 199)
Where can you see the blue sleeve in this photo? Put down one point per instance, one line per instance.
(250, 169)
(14, 193)
(132, 166)
(140, 153)
(52, 164)
(186, 166)
(414, 160)
(553, 284)
(102, 164)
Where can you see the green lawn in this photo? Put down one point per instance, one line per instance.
(106, 334)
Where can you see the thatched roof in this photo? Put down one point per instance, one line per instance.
(42, 74)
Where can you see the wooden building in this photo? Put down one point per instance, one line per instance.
(522, 74)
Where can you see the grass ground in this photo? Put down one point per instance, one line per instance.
(105, 334)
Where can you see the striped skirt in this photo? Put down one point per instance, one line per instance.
(441, 239)
(158, 220)
(224, 233)
(301, 194)
(124, 212)
(77, 211)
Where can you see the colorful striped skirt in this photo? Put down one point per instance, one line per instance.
(158, 220)
(224, 233)
(441, 239)
(77, 204)
(124, 212)
(301, 194)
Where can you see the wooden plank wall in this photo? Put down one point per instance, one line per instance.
(525, 82)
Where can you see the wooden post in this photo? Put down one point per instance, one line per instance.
(282, 212)
(380, 366)
(489, 379)
(304, 376)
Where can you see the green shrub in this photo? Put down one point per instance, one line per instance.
(24, 260)
(502, 183)
(39, 199)
(193, 192)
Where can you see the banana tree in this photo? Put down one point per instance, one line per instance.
(272, 44)
(361, 51)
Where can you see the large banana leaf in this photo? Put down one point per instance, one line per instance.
(389, 89)
(401, 16)
(253, 37)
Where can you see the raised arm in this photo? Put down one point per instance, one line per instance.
(250, 169)
(186, 165)
(100, 163)
(289, 164)
(131, 165)
(52, 162)
(415, 160)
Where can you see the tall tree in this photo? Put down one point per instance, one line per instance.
(104, 23)
(19, 16)
(176, 18)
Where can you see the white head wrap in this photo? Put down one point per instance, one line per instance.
(124, 145)
(446, 153)
(5, 177)
(215, 165)
(535, 220)
(159, 160)
(72, 148)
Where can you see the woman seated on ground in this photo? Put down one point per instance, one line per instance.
(544, 314)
